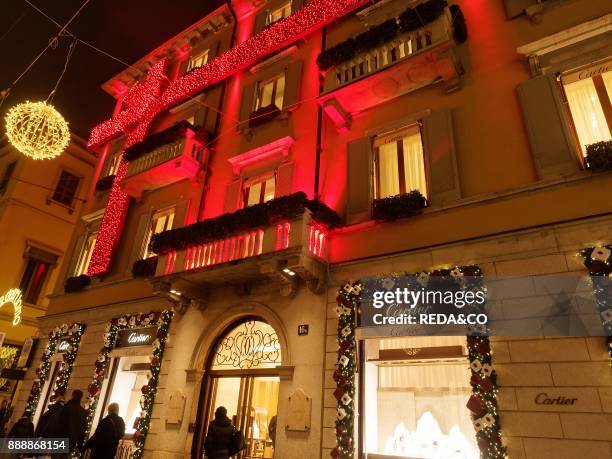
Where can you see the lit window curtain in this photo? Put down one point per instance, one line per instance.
(607, 78)
(414, 166)
(587, 113)
(280, 92)
(254, 194)
(388, 170)
(270, 189)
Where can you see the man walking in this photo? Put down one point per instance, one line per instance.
(103, 443)
(73, 422)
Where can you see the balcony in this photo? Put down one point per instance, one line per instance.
(408, 61)
(166, 164)
(285, 251)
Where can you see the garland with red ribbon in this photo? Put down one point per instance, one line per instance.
(162, 321)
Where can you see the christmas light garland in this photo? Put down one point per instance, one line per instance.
(162, 321)
(483, 401)
(71, 334)
(8, 356)
(598, 260)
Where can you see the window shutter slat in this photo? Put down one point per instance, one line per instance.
(138, 249)
(284, 179)
(359, 169)
(551, 142)
(293, 77)
(439, 148)
(246, 104)
(232, 196)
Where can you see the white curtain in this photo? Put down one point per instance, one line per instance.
(388, 170)
(587, 113)
(414, 166)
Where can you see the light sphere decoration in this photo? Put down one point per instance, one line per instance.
(37, 130)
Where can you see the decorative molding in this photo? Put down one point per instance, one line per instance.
(279, 147)
(193, 375)
(274, 59)
(285, 372)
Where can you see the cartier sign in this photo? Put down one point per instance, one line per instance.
(544, 399)
(136, 337)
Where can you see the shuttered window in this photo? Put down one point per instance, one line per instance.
(279, 13)
(86, 253)
(161, 221)
(399, 165)
(589, 95)
(66, 188)
(259, 190)
(270, 92)
(197, 60)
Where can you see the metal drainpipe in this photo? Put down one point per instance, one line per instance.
(319, 125)
(218, 122)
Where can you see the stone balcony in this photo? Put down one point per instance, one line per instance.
(285, 252)
(167, 164)
(407, 62)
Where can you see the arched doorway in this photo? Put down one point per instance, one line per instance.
(241, 375)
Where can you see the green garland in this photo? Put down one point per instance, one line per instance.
(483, 401)
(346, 367)
(162, 321)
(71, 333)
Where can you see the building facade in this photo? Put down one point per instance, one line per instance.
(40, 203)
(275, 151)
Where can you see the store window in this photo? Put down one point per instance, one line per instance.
(6, 177)
(197, 60)
(399, 166)
(86, 253)
(589, 97)
(241, 377)
(38, 265)
(161, 221)
(259, 190)
(47, 389)
(66, 188)
(279, 13)
(415, 392)
(271, 92)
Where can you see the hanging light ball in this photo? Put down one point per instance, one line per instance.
(37, 130)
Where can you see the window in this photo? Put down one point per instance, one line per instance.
(113, 163)
(279, 13)
(197, 61)
(398, 163)
(161, 221)
(271, 92)
(589, 95)
(86, 253)
(37, 268)
(8, 173)
(259, 190)
(66, 188)
(415, 394)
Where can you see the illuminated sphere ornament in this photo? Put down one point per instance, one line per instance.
(37, 130)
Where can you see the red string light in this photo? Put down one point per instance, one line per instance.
(146, 100)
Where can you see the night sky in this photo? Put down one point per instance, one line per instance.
(127, 29)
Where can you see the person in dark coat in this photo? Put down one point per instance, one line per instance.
(23, 428)
(73, 422)
(103, 443)
(49, 421)
(219, 437)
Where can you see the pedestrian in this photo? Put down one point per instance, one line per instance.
(23, 428)
(105, 440)
(73, 422)
(222, 440)
(49, 421)
(3, 413)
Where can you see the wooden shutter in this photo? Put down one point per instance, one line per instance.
(284, 179)
(138, 247)
(180, 214)
(293, 78)
(200, 116)
(213, 51)
(439, 150)
(77, 249)
(246, 104)
(213, 99)
(232, 196)
(359, 173)
(296, 5)
(260, 21)
(516, 8)
(551, 142)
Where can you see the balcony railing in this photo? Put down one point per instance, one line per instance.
(297, 246)
(165, 165)
(407, 62)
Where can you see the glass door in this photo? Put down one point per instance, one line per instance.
(251, 403)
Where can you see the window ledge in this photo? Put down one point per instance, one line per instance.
(541, 185)
(70, 209)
